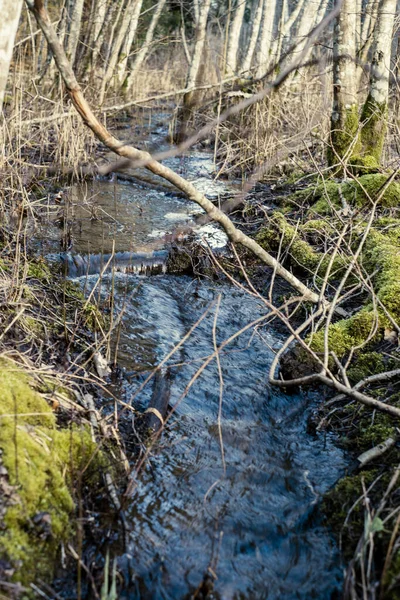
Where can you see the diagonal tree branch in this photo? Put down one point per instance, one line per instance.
(38, 9)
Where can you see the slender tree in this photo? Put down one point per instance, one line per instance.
(344, 118)
(375, 110)
(128, 41)
(141, 55)
(190, 98)
(75, 20)
(234, 38)
(257, 10)
(265, 37)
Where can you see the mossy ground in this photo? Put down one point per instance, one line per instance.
(326, 198)
(305, 230)
(46, 450)
(42, 461)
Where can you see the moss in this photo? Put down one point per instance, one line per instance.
(336, 506)
(344, 135)
(33, 327)
(373, 132)
(42, 462)
(280, 232)
(39, 269)
(382, 254)
(366, 364)
(324, 198)
(362, 165)
(345, 334)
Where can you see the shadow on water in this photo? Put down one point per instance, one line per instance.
(253, 529)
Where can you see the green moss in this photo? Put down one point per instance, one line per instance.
(382, 254)
(39, 269)
(280, 233)
(326, 198)
(362, 165)
(366, 364)
(42, 463)
(344, 135)
(345, 334)
(339, 501)
(373, 132)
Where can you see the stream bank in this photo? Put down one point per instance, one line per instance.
(244, 523)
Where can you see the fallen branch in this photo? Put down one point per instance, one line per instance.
(38, 9)
(376, 451)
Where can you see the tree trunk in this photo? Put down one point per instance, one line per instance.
(129, 39)
(265, 38)
(375, 110)
(117, 45)
(344, 118)
(255, 30)
(189, 99)
(75, 16)
(234, 39)
(10, 11)
(141, 55)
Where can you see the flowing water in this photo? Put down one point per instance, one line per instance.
(242, 514)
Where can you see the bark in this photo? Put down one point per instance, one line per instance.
(190, 98)
(129, 39)
(257, 10)
(99, 11)
(265, 38)
(344, 118)
(10, 11)
(145, 158)
(141, 55)
(286, 25)
(375, 110)
(234, 39)
(76, 11)
(117, 45)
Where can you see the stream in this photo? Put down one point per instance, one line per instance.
(246, 519)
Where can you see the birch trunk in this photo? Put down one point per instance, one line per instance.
(234, 39)
(75, 15)
(375, 110)
(10, 11)
(285, 27)
(344, 118)
(265, 38)
(116, 49)
(255, 30)
(141, 55)
(152, 165)
(129, 39)
(189, 99)
(95, 39)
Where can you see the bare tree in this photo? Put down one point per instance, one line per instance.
(265, 37)
(344, 119)
(10, 11)
(234, 38)
(189, 99)
(255, 30)
(129, 39)
(375, 110)
(75, 18)
(141, 55)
